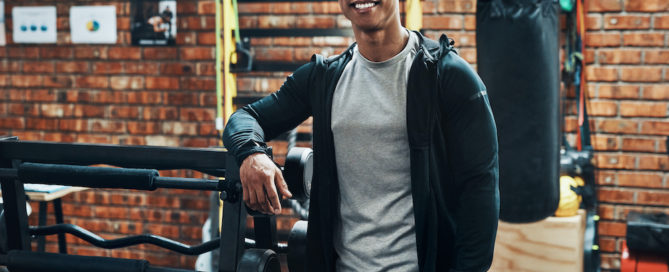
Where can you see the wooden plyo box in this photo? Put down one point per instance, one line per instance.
(552, 244)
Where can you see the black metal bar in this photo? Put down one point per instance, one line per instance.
(151, 268)
(125, 241)
(187, 183)
(43, 210)
(58, 212)
(9, 173)
(295, 32)
(234, 222)
(14, 204)
(278, 248)
(206, 160)
(265, 231)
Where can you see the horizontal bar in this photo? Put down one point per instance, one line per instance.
(187, 183)
(279, 248)
(295, 32)
(206, 160)
(125, 241)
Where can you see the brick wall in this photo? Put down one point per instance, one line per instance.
(118, 94)
(165, 96)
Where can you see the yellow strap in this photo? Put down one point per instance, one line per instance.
(414, 15)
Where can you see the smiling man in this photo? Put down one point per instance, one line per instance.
(405, 151)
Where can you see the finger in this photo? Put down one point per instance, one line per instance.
(281, 184)
(261, 198)
(273, 197)
(245, 195)
(253, 200)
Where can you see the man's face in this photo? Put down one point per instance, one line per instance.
(370, 15)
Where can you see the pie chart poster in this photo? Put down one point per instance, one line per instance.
(153, 22)
(93, 24)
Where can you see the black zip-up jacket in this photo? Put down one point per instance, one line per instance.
(453, 154)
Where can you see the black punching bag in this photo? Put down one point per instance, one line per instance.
(517, 50)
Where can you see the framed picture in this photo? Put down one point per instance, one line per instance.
(3, 38)
(154, 22)
(34, 24)
(93, 24)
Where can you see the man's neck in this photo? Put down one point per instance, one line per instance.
(382, 44)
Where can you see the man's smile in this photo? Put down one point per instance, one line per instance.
(362, 6)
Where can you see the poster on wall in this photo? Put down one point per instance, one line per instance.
(34, 24)
(3, 39)
(154, 22)
(93, 24)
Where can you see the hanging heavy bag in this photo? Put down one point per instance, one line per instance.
(517, 53)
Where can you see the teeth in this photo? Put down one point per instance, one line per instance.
(364, 5)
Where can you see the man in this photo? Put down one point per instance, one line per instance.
(405, 151)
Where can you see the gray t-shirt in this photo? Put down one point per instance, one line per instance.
(376, 231)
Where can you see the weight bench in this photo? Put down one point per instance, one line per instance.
(137, 168)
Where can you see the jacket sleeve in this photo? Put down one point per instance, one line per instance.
(471, 142)
(250, 127)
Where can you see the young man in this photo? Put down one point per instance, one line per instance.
(405, 151)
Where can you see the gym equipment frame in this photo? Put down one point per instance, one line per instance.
(137, 168)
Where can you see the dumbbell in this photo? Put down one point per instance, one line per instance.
(297, 247)
(259, 260)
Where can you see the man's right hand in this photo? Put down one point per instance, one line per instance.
(260, 179)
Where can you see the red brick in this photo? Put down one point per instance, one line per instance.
(59, 81)
(647, 5)
(164, 83)
(656, 92)
(274, 54)
(125, 53)
(41, 124)
(143, 128)
(615, 195)
(456, 6)
(654, 162)
(655, 127)
(656, 57)
(626, 21)
(143, 97)
(643, 109)
(253, 8)
(660, 198)
(91, 52)
(197, 114)
(91, 82)
(187, 7)
(12, 122)
(605, 143)
(72, 67)
(593, 73)
(603, 108)
(127, 83)
(326, 8)
(443, 22)
(196, 53)
(640, 179)
(638, 144)
(617, 229)
(617, 91)
(73, 125)
(272, 21)
(643, 39)
(607, 244)
(617, 126)
(59, 137)
(140, 68)
(198, 83)
(179, 128)
(26, 81)
(56, 110)
(124, 112)
(206, 8)
(470, 22)
(9, 66)
(619, 56)
(593, 22)
(641, 74)
(23, 109)
(661, 22)
(206, 38)
(614, 161)
(106, 126)
(160, 113)
(37, 67)
(89, 111)
(603, 5)
(110, 212)
(107, 68)
(176, 68)
(604, 39)
(56, 52)
(321, 21)
(153, 53)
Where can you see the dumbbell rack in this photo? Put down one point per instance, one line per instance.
(67, 164)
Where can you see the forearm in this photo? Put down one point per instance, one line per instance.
(243, 136)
